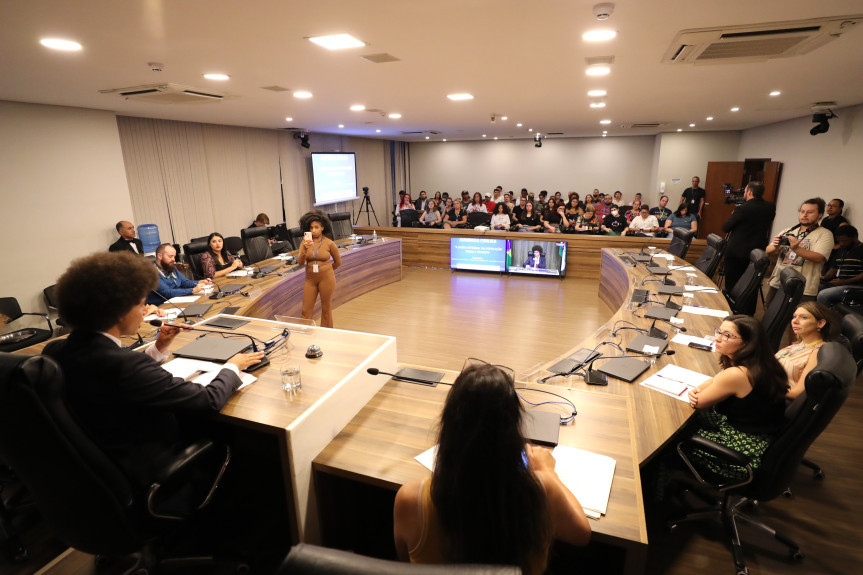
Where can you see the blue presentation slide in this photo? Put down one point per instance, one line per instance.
(477, 254)
(335, 177)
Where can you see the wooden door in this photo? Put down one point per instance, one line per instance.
(715, 210)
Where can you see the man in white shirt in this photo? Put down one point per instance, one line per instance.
(497, 197)
(642, 225)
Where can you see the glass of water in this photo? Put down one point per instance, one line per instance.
(291, 377)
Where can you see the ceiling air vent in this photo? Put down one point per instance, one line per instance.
(756, 42)
(165, 94)
(648, 125)
(382, 58)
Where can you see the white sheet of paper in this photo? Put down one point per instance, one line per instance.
(684, 339)
(588, 475)
(702, 289)
(237, 274)
(184, 367)
(184, 299)
(704, 311)
(675, 381)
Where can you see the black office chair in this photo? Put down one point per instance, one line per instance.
(51, 301)
(296, 237)
(234, 244)
(680, 240)
(256, 245)
(778, 314)
(305, 559)
(475, 219)
(84, 497)
(408, 217)
(16, 339)
(193, 253)
(826, 389)
(14, 503)
(742, 297)
(712, 255)
(199, 240)
(342, 227)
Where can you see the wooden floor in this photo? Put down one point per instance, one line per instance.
(440, 318)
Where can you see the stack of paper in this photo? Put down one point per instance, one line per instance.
(202, 372)
(675, 381)
(697, 310)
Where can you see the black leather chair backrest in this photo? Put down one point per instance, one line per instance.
(851, 337)
(283, 234)
(681, 238)
(712, 255)
(475, 219)
(778, 314)
(296, 236)
(10, 308)
(826, 390)
(409, 217)
(198, 240)
(81, 493)
(743, 293)
(342, 227)
(234, 244)
(305, 559)
(256, 244)
(193, 253)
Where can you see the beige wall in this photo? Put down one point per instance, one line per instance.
(681, 156)
(62, 189)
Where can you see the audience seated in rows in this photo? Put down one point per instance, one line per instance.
(811, 326)
(682, 219)
(844, 278)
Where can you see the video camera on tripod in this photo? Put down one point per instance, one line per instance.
(733, 196)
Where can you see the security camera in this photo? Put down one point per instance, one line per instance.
(493, 119)
(156, 66)
(603, 11)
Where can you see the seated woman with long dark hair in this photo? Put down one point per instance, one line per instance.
(492, 498)
(743, 405)
(217, 261)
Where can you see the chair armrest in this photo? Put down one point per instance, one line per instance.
(187, 482)
(45, 317)
(721, 451)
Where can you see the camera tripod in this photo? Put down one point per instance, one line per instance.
(367, 204)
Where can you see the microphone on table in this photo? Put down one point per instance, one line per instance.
(262, 363)
(664, 280)
(186, 320)
(592, 377)
(219, 293)
(376, 371)
(679, 328)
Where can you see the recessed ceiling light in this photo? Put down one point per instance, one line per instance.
(518, 125)
(679, 129)
(605, 131)
(444, 139)
(337, 41)
(775, 93)
(302, 95)
(597, 104)
(597, 93)
(427, 137)
(495, 137)
(460, 96)
(341, 125)
(289, 119)
(598, 35)
(691, 125)
(605, 121)
(394, 116)
(600, 70)
(530, 129)
(217, 77)
(709, 118)
(58, 44)
(504, 118)
(483, 135)
(604, 135)
(735, 109)
(357, 108)
(377, 131)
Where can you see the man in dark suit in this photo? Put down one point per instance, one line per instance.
(421, 202)
(748, 229)
(129, 405)
(127, 242)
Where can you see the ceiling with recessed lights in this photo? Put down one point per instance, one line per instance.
(523, 61)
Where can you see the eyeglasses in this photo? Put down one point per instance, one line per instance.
(723, 335)
(474, 362)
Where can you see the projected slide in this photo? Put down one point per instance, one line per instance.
(477, 254)
(334, 176)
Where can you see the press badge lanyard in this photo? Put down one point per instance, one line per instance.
(315, 255)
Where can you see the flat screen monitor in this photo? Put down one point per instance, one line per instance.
(479, 254)
(334, 177)
(534, 257)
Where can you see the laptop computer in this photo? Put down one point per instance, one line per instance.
(638, 344)
(670, 290)
(625, 368)
(431, 376)
(232, 288)
(658, 270)
(213, 348)
(197, 309)
(660, 312)
(226, 323)
(641, 258)
(639, 295)
(580, 357)
(541, 427)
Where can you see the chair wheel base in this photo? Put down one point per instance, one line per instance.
(787, 494)
(818, 474)
(797, 555)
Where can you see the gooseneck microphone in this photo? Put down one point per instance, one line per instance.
(262, 363)
(186, 320)
(376, 371)
(592, 377)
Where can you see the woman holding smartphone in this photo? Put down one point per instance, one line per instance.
(315, 252)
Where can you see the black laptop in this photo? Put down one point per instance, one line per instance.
(625, 368)
(213, 348)
(670, 290)
(638, 343)
(579, 358)
(660, 312)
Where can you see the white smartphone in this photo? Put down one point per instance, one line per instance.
(307, 236)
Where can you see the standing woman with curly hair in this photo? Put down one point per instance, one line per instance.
(315, 253)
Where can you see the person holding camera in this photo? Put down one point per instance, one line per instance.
(748, 228)
(806, 246)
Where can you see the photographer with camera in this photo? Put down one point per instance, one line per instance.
(748, 228)
(805, 245)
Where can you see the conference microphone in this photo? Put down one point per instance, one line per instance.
(679, 328)
(592, 377)
(186, 320)
(376, 371)
(665, 280)
(262, 363)
(219, 293)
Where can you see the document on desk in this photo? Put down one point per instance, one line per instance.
(169, 314)
(697, 310)
(237, 274)
(588, 475)
(184, 299)
(675, 381)
(702, 289)
(201, 372)
(684, 339)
